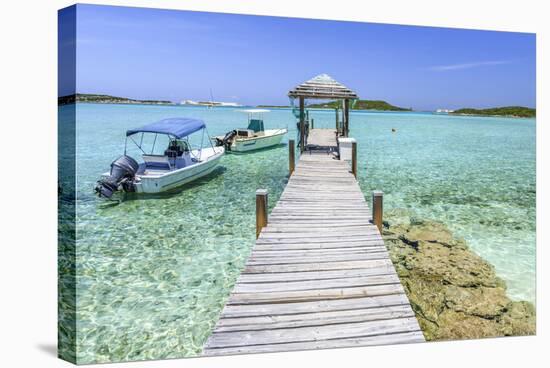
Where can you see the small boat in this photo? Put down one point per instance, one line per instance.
(252, 138)
(182, 161)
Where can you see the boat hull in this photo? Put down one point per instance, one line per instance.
(177, 178)
(256, 143)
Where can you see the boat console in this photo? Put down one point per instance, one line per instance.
(245, 133)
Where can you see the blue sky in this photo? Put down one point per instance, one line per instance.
(176, 55)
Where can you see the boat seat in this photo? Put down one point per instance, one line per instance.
(157, 162)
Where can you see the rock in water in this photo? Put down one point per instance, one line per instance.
(454, 293)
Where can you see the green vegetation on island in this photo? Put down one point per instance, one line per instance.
(513, 111)
(359, 105)
(362, 105)
(93, 98)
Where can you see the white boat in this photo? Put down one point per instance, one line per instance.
(210, 103)
(180, 163)
(252, 138)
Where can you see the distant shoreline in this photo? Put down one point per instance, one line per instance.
(514, 112)
(358, 105)
(106, 99)
(493, 116)
(289, 107)
(505, 111)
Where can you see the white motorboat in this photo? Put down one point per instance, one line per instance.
(252, 138)
(180, 163)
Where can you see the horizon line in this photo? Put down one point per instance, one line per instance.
(279, 105)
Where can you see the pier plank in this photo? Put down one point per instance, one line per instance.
(319, 275)
(315, 275)
(292, 253)
(315, 285)
(304, 334)
(314, 294)
(267, 309)
(302, 267)
(259, 259)
(395, 338)
(325, 245)
(313, 319)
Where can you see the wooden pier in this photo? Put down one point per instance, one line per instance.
(319, 275)
(321, 140)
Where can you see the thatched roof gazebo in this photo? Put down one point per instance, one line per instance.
(323, 86)
(326, 88)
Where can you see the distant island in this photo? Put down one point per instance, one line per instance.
(363, 105)
(93, 98)
(379, 105)
(359, 105)
(511, 111)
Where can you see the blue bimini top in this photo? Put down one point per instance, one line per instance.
(177, 127)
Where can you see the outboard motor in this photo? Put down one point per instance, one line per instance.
(121, 177)
(226, 140)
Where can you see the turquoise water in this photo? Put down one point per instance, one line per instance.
(477, 175)
(153, 272)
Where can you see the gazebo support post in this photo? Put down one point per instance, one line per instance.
(302, 126)
(346, 117)
(336, 113)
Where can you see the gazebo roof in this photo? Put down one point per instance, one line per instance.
(322, 87)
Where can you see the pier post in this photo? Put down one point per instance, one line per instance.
(354, 158)
(261, 210)
(291, 156)
(377, 208)
(312, 124)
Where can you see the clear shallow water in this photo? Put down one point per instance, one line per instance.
(477, 175)
(153, 272)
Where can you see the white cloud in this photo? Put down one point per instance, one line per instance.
(441, 68)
